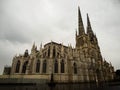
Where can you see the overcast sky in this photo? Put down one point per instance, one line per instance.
(23, 22)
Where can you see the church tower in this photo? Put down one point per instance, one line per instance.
(81, 31)
(93, 42)
(90, 33)
(87, 42)
(87, 45)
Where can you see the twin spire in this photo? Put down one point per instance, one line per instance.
(81, 26)
(80, 23)
(89, 28)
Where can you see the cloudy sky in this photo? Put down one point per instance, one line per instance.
(23, 22)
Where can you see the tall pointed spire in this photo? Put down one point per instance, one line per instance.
(89, 28)
(41, 46)
(33, 47)
(80, 23)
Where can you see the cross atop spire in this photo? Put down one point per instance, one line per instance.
(80, 23)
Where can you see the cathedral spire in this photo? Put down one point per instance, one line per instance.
(33, 47)
(41, 46)
(80, 23)
(89, 28)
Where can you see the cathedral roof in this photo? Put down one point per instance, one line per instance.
(55, 43)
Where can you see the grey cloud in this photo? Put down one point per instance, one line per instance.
(12, 34)
(115, 1)
(14, 37)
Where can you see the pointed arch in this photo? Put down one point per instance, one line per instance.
(24, 67)
(17, 69)
(62, 66)
(44, 66)
(38, 66)
(75, 68)
(56, 66)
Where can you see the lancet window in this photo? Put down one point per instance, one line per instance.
(17, 67)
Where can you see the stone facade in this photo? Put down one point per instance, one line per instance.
(84, 63)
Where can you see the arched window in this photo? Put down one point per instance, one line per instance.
(56, 66)
(54, 51)
(38, 66)
(49, 51)
(44, 66)
(17, 67)
(24, 67)
(62, 66)
(75, 68)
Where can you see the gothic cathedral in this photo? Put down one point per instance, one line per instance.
(84, 63)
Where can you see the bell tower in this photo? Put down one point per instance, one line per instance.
(81, 31)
